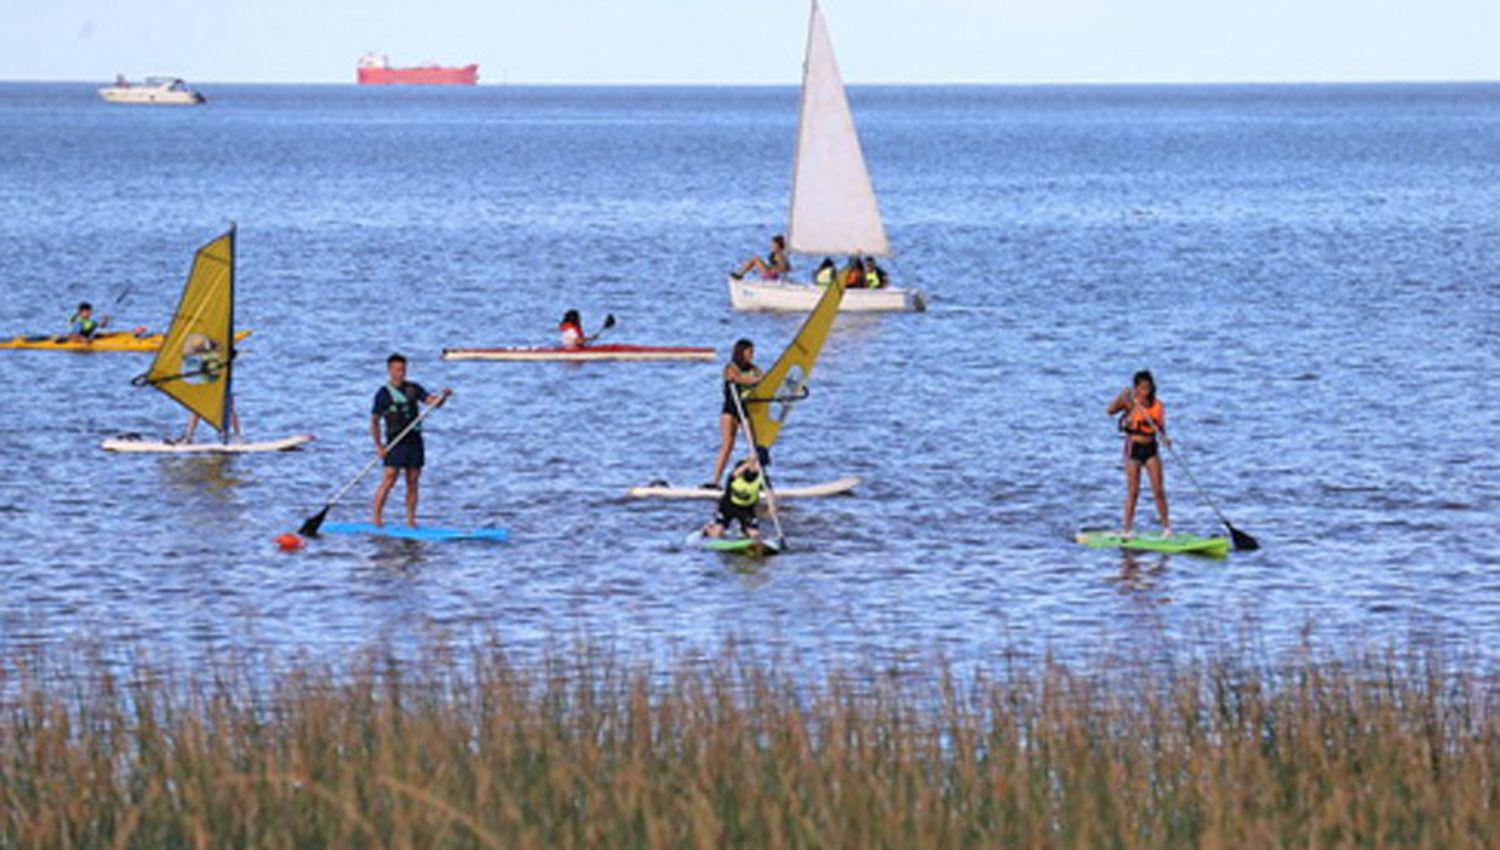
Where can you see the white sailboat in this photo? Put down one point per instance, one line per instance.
(833, 210)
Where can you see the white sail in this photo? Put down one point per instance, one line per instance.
(833, 208)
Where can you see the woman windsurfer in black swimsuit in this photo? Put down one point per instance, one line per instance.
(740, 373)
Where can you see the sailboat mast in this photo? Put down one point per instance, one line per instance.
(229, 360)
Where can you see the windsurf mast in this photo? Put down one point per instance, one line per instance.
(771, 400)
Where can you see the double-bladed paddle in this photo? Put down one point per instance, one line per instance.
(609, 322)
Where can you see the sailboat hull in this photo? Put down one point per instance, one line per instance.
(782, 297)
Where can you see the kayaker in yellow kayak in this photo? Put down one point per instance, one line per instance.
(1142, 419)
(82, 326)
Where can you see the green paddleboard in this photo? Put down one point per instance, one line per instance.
(753, 546)
(1191, 544)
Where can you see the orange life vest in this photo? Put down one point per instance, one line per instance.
(1145, 421)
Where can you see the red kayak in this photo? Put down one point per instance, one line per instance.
(580, 355)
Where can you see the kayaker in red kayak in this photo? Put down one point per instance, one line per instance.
(572, 331)
(773, 267)
(740, 374)
(1143, 419)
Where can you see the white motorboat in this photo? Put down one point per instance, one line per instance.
(161, 91)
(833, 212)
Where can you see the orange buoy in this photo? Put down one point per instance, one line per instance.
(290, 542)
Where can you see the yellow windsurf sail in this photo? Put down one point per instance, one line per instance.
(194, 363)
(769, 402)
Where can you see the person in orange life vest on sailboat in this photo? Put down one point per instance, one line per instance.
(773, 267)
(571, 329)
(740, 375)
(854, 274)
(1143, 419)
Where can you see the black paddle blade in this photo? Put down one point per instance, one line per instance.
(313, 523)
(1242, 541)
(609, 320)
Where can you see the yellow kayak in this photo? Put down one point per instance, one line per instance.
(105, 341)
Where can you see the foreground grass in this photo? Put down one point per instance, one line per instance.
(579, 751)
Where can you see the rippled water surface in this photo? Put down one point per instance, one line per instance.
(1311, 272)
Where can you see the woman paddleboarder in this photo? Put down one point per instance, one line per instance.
(1142, 419)
(740, 373)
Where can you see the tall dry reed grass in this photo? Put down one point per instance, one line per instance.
(472, 750)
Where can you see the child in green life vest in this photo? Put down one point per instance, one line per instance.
(740, 500)
(82, 326)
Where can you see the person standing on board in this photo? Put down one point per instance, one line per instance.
(773, 267)
(398, 403)
(1142, 418)
(572, 331)
(740, 374)
(192, 427)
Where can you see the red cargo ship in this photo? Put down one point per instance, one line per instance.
(375, 70)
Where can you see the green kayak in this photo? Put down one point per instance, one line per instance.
(1213, 547)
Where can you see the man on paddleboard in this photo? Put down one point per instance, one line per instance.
(1142, 419)
(398, 403)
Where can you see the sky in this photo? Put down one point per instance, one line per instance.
(758, 41)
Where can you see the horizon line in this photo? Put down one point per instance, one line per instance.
(1373, 81)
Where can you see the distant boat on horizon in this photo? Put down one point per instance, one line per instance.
(157, 91)
(375, 69)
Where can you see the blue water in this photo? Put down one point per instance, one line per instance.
(1310, 271)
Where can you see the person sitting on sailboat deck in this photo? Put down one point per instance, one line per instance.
(826, 272)
(572, 330)
(773, 267)
(740, 374)
(874, 275)
(854, 274)
(739, 502)
(82, 325)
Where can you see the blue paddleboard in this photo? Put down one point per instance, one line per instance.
(441, 535)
